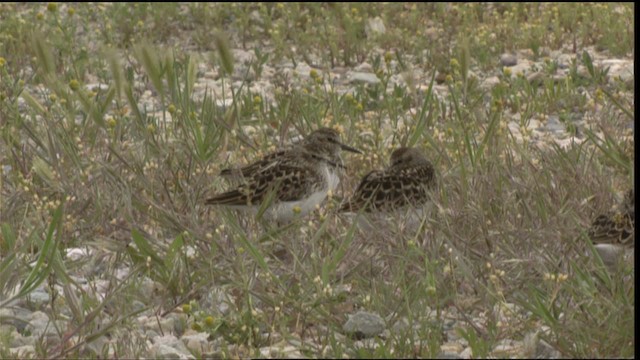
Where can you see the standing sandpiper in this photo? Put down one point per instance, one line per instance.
(295, 180)
(403, 187)
(613, 233)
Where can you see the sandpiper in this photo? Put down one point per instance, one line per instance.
(402, 188)
(613, 233)
(295, 180)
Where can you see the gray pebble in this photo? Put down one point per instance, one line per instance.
(360, 77)
(364, 325)
(508, 60)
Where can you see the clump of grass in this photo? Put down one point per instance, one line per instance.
(123, 175)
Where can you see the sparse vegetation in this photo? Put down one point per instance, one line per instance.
(116, 118)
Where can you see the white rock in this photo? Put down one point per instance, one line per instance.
(170, 347)
(451, 347)
(40, 325)
(467, 353)
(490, 82)
(523, 67)
(364, 67)
(197, 342)
(281, 351)
(375, 27)
(360, 77)
(23, 352)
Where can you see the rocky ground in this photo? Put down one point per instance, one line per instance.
(27, 322)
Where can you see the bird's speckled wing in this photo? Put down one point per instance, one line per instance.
(613, 228)
(385, 191)
(255, 167)
(290, 180)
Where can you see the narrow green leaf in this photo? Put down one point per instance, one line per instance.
(44, 54)
(89, 106)
(41, 269)
(43, 170)
(134, 104)
(266, 202)
(174, 249)
(149, 58)
(8, 239)
(465, 59)
(255, 253)
(33, 102)
(144, 247)
(117, 72)
(192, 73)
(422, 119)
(586, 59)
(330, 266)
(226, 58)
(624, 109)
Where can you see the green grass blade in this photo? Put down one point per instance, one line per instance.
(43, 266)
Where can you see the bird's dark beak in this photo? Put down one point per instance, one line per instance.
(349, 148)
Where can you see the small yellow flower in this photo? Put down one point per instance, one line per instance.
(52, 7)
(297, 209)
(506, 71)
(599, 95)
(313, 74)
(39, 16)
(74, 85)
(171, 109)
(447, 269)
(2, 61)
(257, 99)
(111, 122)
(387, 57)
(454, 63)
(71, 11)
(209, 321)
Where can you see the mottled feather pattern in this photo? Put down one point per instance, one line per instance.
(246, 171)
(616, 227)
(405, 182)
(291, 181)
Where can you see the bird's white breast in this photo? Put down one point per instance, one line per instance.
(284, 211)
(331, 175)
